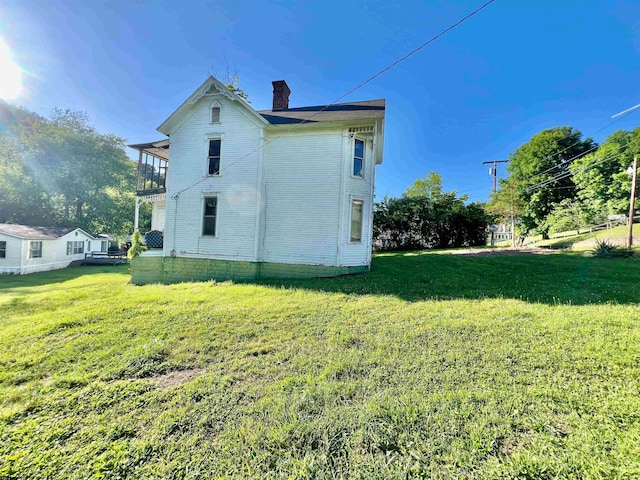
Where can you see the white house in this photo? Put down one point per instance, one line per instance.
(26, 249)
(241, 193)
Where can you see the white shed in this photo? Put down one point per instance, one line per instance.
(27, 249)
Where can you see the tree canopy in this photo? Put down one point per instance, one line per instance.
(540, 169)
(565, 182)
(62, 172)
(427, 217)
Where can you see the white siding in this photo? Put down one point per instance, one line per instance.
(12, 261)
(236, 186)
(302, 197)
(357, 188)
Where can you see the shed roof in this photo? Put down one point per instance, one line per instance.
(36, 233)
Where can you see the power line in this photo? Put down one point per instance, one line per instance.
(356, 88)
(566, 174)
(620, 116)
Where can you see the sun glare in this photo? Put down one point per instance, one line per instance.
(10, 74)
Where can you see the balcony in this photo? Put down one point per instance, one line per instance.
(153, 161)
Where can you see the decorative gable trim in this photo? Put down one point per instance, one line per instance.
(210, 87)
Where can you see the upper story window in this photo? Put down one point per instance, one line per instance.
(3, 249)
(35, 249)
(209, 216)
(358, 158)
(214, 157)
(215, 114)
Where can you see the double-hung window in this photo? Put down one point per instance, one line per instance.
(3, 249)
(356, 221)
(74, 248)
(358, 158)
(35, 249)
(209, 216)
(214, 157)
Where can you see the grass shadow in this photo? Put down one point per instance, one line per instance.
(561, 278)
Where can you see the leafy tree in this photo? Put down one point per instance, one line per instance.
(429, 186)
(427, 220)
(601, 179)
(567, 215)
(507, 204)
(60, 171)
(541, 170)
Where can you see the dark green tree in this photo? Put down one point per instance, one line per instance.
(601, 178)
(61, 171)
(541, 170)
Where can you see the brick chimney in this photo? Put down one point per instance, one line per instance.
(280, 95)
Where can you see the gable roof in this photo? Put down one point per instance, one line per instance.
(211, 84)
(340, 112)
(37, 233)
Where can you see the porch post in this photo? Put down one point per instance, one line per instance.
(137, 214)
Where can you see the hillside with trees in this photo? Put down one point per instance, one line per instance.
(561, 181)
(60, 171)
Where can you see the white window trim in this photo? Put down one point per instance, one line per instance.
(353, 199)
(31, 250)
(353, 156)
(208, 137)
(203, 198)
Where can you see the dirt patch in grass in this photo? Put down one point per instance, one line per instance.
(179, 377)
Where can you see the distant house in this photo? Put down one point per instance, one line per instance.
(26, 249)
(244, 194)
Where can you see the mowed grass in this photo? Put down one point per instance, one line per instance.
(434, 365)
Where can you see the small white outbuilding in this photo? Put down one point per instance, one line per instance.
(26, 249)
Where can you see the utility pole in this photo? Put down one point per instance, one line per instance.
(494, 171)
(633, 199)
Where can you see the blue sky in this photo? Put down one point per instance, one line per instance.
(474, 95)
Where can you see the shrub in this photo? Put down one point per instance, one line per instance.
(136, 245)
(604, 249)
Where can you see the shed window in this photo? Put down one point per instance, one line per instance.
(215, 114)
(356, 221)
(214, 157)
(358, 158)
(74, 248)
(3, 249)
(35, 249)
(209, 216)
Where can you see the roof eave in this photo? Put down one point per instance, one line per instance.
(167, 126)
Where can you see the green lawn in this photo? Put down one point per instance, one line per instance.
(433, 365)
(568, 240)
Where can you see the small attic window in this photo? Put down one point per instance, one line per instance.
(215, 114)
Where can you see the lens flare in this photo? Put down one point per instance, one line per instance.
(10, 74)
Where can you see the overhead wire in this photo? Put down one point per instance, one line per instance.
(618, 118)
(353, 90)
(569, 173)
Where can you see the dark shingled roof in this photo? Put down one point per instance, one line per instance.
(34, 233)
(368, 110)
